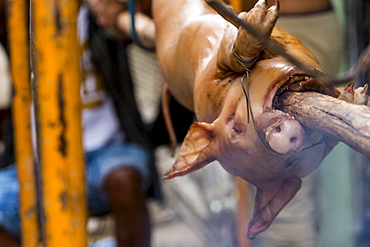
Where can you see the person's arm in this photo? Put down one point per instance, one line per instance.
(114, 17)
(144, 25)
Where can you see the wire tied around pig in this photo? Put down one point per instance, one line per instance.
(247, 98)
(243, 63)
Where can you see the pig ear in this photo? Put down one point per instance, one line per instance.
(269, 203)
(195, 151)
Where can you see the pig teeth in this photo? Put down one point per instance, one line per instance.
(313, 84)
(295, 83)
(360, 96)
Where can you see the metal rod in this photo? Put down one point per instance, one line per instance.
(58, 113)
(20, 69)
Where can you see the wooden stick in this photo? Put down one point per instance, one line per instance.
(242, 197)
(336, 118)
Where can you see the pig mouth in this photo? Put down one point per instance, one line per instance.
(282, 133)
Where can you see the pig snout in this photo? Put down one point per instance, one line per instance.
(286, 135)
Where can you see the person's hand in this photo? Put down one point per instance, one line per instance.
(144, 26)
(106, 13)
(113, 16)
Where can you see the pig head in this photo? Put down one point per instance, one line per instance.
(230, 81)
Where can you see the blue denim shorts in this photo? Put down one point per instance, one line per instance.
(100, 163)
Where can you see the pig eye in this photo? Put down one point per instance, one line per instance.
(237, 129)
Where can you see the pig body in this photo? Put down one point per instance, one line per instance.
(209, 66)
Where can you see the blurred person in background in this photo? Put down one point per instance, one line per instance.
(5, 94)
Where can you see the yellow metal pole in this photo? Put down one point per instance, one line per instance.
(58, 107)
(18, 40)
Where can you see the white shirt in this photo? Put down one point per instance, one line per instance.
(99, 117)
